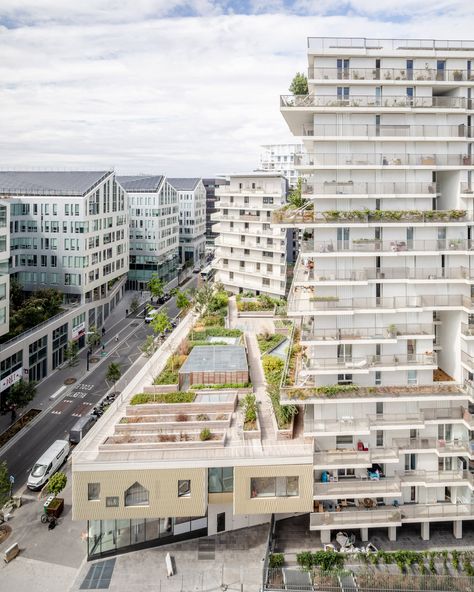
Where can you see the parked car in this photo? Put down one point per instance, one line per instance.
(150, 315)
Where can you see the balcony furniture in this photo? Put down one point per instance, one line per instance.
(427, 160)
(369, 503)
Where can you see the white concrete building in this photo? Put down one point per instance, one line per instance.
(154, 230)
(250, 253)
(280, 158)
(383, 288)
(68, 230)
(4, 275)
(192, 219)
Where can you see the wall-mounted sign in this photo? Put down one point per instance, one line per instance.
(11, 379)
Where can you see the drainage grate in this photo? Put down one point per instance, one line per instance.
(99, 575)
(206, 549)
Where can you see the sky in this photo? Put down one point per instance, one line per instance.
(175, 87)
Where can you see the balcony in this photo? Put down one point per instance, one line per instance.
(258, 244)
(389, 132)
(355, 518)
(437, 478)
(348, 459)
(467, 188)
(329, 427)
(443, 448)
(363, 365)
(389, 74)
(357, 488)
(449, 415)
(364, 190)
(439, 512)
(371, 102)
(394, 247)
(353, 160)
(365, 334)
(467, 330)
(467, 361)
(307, 215)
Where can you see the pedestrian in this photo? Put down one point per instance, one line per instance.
(13, 413)
(103, 331)
(116, 338)
(103, 347)
(126, 312)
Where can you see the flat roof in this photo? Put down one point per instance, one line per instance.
(140, 183)
(216, 358)
(57, 183)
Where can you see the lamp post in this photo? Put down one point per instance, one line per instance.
(87, 359)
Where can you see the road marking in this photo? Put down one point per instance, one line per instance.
(84, 387)
(58, 392)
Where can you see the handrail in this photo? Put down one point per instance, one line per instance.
(296, 101)
(390, 74)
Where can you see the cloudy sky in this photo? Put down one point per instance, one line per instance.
(181, 87)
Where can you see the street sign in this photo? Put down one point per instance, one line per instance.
(12, 479)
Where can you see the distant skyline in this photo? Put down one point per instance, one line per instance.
(173, 87)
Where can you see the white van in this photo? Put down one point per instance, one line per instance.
(48, 464)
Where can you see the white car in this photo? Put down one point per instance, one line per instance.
(151, 314)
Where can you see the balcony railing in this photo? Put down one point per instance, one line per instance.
(373, 102)
(363, 363)
(386, 130)
(353, 488)
(315, 43)
(340, 458)
(467, 359)
(380, 159)
(435, 477)
(308, 274)
(467, 329)
(300, 305)
(375, 189)
(350, 425)
(373, 245)
(355, 518)
(467, 188)
(442, 447)
(362, 333)
(390, 74)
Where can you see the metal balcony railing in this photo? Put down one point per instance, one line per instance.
(357, 487)
(390, 74)
(376, 333)
(362, 363)
(447, 447)
(373, 102)
(325, 43)
(381, 159)
(377, 189)
(386, 130)
(373, 245)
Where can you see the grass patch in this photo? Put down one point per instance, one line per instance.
(169, 374)
(267, 341)
(143, 398)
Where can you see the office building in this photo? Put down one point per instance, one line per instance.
(4, 275)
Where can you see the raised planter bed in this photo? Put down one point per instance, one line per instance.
(255, 434)
(161, 389)
(172, 426)
(54, 506)
(175, 408)
(283, 434)
(152, 442)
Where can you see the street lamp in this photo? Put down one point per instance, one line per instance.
(87, 359)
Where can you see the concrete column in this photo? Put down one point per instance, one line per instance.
(392, 533)
(325, 537)
(425, 531)
(457, 529)
(364, 534)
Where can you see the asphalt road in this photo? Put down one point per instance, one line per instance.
(78, 400)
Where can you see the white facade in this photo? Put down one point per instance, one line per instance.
(250, 253)
(69, 230)
(383, 284)
(192, 219)
(154, 230)
(4, 276)
(280, 158)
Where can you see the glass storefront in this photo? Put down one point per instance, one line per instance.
(109, 537)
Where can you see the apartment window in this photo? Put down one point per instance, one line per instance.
(379, 438)
(274, 487)
(231, 275)
(220, 480)
(265, 282)
(136, 495)
(412, 378)
(410, 462)
(344, 379)
(112, 502)
(93, 492)
(246, 199)
(378, 378)
(344, 440)
(242, 264)
(379, 408)
(184, 488)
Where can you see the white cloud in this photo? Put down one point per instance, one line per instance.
(184, 96)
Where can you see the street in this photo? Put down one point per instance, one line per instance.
(63, 405)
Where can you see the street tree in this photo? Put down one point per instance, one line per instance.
(21, 393)
(134, 304)
(299, 84)
(113, 373)
(149, 346)
(182, 301)
(155, 285)
(160, 323)
(93, 337)
(71, 353)
(57, 483)
(5, 485)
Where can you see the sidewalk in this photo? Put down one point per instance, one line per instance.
(114, 325)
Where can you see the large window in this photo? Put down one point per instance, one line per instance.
(93, 492)
(274, 486)
(136, 495)
(221, 480)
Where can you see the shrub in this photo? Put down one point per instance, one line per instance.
(182, 417)
(249, 404)
(269, 342)
(181, 397)
(57, 483)
(325, 560)
(167, 437)
(202, 417)
(276, 560)
(205, 434)
(169, 375)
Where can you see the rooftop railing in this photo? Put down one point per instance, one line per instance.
(371, 101)
(390, 131)
(365, 362)
(315, 43)
(377, 189)
(381, 159)
(394, 74)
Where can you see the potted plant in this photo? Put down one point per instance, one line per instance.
(457, 75)
(392, 330)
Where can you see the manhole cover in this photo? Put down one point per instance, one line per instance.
(70, 380)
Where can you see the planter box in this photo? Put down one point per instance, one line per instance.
(175, 408)
(282, 331)
(286, 434)
(134, 446)
(54, 506)
(171, 426)
(253, 434)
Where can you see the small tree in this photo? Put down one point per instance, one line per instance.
(5, 485)
(93, 337)
(113, 373)
(182, 301)
(202, 298)
(295, 198)
(71, 353)
(21, 393)
(57, 483)
(299, 84)
(149, 347)
(160, 323)
(155, 285)
(134, 304)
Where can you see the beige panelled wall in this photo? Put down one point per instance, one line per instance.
(162, 485)
(245, 504)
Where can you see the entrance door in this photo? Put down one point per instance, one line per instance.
(221, 522)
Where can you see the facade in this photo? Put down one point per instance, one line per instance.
(383, 286)
(251, 253)
(280, 158)
(192, 220)
(68, 230)
(154, 230)
(4, 275)
(211, 185)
